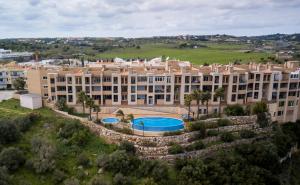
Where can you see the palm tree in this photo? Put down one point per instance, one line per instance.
(187, 102)
(90, 103)
(205, 97)
(220, 93)
(121, 114)
(143, 125)
(97, 109)
(81, 98)
(197, 96)
(130, 117)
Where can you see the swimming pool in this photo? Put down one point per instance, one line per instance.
(157, 124)
(110, 120)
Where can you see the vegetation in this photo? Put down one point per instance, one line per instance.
(50, 149)
(234, 110)
(19, 83)
(187, 102)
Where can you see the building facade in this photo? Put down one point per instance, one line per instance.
(156, 83)
(8, 75)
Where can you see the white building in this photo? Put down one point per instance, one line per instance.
(31, 101)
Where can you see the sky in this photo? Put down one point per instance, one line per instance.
(146, 18)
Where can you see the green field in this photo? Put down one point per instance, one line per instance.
(213, 53)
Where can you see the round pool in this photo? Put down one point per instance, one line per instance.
(157, 124)
(110, 120)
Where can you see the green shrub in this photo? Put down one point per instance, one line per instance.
(175, 149)
(71, 181)
(234, 110)
(194, 126)
(227, 137)
(118, 162)
(98, 181)
(224, 122)
(247, 134)
(12, 158)
(210, 125)
(8, 132)
(153, 169)
(128, 147)
(58, 176)
(212, 133)
(120, 179)
(198, 145)
(173, 133)
(83, 160)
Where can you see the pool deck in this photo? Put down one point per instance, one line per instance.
(140, 113)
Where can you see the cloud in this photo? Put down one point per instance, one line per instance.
(136, 18)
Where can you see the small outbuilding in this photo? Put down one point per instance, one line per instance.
(31, 101)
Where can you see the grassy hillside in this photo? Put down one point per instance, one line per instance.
(214, 53)
(66, 158)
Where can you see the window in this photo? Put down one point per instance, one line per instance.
(187, 79)
(275, 86)
(132, 98)
(46, 95)
(281, 103)
(279, 113)
(292, 93)
(257, 86)
(52, 89)
(274, 95)
(150, 89)
(45, 86)
(87, 89)
(78, 80)
(70, 98)
(45, 78)
(87, 80)
(233, 97)
(241, 96)
(133, 80)
(234, 79)
(115, 80)
(116, 98)
(168, 79)
(168, 88)
(69, 80)
(52, 80)
(96, 88)
(186, 88)
(115, 89)
(106, 79)
(142, 79)
(217, 78)
(61, 88)
(133, 89)
(168, 98)
(234, 88)
(142, 88)
(106, 88)
(206, 78)
(291, 103)
(159, 78)
(96, 79)
(151, 79)
(257, 76)
(256, 95)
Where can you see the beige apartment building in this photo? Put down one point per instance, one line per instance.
(163, 85)
(9, 73)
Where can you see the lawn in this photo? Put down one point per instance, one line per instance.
(213, 53)
(46, 127)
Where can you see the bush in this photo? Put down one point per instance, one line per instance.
(8, 132)
(58, 176)
(224, 122)
(194, 126)
(124, 130)
(156, 170)
(118, 162)
(234, 110)
(44, 160)
(72, 181)
(148, 181)
(98, 181)
(175, 149)
(128, 147)
(227, 137)
(74, 132)
(212, 133)
(209, 125)
(120, 179)
(263, 120)
(259, 107)
(83, 160)
(4, 176)
(12, 158)
(247, 134)
(173, 133)
(61, 104)
(198, 145)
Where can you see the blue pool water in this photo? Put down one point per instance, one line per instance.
(158, 124)
(110, 120)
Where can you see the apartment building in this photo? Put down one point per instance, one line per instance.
(8, 75)
(165, 84)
